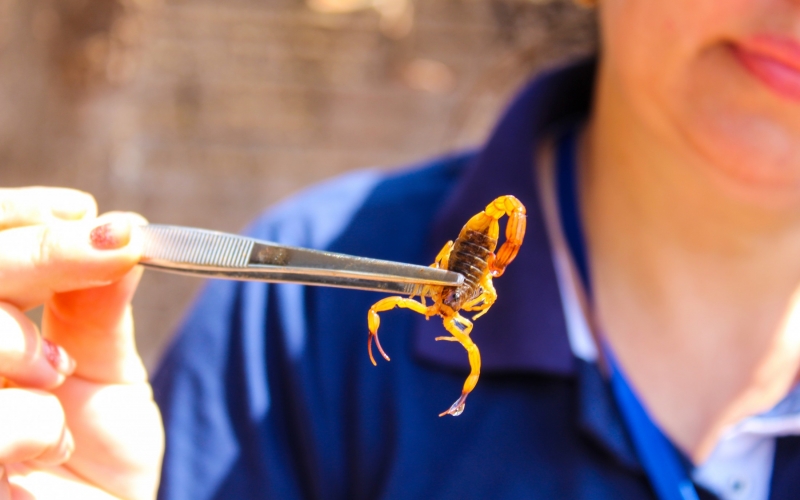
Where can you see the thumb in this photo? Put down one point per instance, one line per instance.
(95, 326)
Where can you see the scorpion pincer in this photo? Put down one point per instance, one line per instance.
(472, 255)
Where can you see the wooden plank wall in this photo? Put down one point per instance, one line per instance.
(205, 112)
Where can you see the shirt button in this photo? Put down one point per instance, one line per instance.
(738, 486)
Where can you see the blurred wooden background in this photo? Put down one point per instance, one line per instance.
(203, 112)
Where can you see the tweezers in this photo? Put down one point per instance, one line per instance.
(202, 252)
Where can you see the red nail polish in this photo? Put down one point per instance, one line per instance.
(57, 357)
(110, 236)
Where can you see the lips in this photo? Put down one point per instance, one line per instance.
(773, 60)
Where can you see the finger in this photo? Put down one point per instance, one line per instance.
(37, 261)
(26, 359)
(118, 428)
(34, 428)
(34, 482)
(96, 327)
(41, 205)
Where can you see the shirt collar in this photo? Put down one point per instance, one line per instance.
(528, 333)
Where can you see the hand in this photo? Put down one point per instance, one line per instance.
(77, 417)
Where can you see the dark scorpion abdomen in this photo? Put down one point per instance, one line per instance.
(469, 258)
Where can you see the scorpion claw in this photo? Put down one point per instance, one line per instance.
(378, 344)
(369, 350)
(456, 408)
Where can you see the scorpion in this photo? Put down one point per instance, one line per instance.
(473, 256)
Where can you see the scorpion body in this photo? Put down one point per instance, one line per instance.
(468, 257)
(473, 256)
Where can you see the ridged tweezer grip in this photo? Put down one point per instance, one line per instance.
(178, 245)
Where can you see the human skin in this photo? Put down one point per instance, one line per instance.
(80, 425)
(690, 194)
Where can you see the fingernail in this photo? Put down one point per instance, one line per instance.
(58, 358)
(67, 445)
(111, 235)
(68, 212)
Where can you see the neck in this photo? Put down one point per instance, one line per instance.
(696, 281)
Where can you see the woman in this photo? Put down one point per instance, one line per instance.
(644, 343)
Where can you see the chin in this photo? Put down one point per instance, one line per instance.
(747, 136)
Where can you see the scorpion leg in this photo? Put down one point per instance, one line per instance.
(454, 325)
(515, 231)
(483, 301)
(374, 321)
(440, 262)
(443, 257)
(480, 303)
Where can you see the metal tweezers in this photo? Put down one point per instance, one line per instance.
(202, 252)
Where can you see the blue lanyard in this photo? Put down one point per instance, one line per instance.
(658, 456)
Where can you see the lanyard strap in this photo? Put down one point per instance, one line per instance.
(658, 456)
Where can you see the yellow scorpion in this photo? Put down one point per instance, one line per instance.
(472, 255)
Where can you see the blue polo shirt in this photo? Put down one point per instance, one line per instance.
(268, 392)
